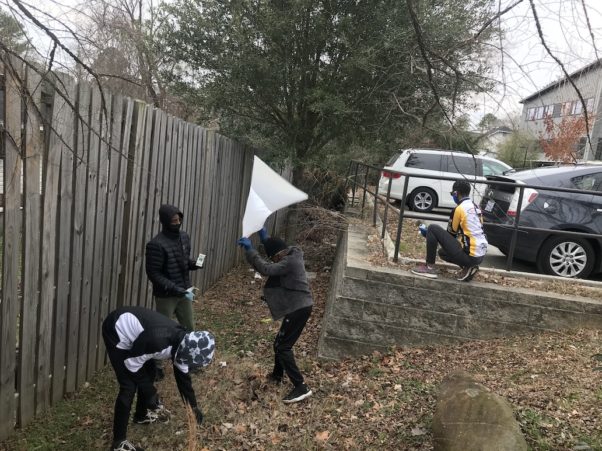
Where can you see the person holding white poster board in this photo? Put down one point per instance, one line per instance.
(288, 296)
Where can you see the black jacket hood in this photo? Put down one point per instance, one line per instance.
(166, 212)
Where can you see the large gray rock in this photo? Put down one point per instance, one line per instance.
(469, 417)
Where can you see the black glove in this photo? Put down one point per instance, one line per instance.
(198, 414)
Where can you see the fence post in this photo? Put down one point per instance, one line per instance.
(402, 208)
(515, 231)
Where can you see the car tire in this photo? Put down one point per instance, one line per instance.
(422, 200)
(566, 257)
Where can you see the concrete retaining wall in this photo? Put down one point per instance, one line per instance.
(372, 308)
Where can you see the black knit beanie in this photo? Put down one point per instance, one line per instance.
(273, 246)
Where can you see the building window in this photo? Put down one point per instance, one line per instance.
(590, 105)
(539, 113)
(556, 110)
(531, 114)
(577, 107)
(566, 108)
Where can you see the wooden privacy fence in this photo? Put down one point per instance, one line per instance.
(85, 173)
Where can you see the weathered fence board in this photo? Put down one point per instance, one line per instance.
(91, 269)
(32, 205)
(101, 267)
(130, 111)
(121, 115)
(12, 249)
(154, 187)
(113, 133)
(78, 308)
(66, 147)
(195, 181)
(142, 235)
(136, 153)
(49, 254)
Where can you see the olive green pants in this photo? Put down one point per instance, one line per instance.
(182, 308)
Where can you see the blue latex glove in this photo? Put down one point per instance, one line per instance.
(245, 242)
(422, 229)
(263, 234)
(189, 296)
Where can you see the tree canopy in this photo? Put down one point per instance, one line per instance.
(12, 34)
(298, 76)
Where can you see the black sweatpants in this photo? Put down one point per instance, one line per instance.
(129, 384)
(289, 333)
(451, 250)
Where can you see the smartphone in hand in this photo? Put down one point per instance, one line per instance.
(200, 261)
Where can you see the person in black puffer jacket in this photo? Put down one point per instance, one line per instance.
(168, 264)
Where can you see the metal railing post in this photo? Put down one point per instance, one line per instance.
(347, 179)
(382, 235)
(365, 187)
(375, 205)
(357, 165)
(515, 231)
(402, 208)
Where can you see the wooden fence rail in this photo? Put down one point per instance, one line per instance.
(84, 175)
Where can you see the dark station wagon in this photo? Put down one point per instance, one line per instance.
(556, 254)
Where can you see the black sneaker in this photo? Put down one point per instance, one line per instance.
(158, 415)
(125, 445)
(466, 274)
(299, 393)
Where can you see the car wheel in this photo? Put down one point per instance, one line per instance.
(423, 200)
(566, 257)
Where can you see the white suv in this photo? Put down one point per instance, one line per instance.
(425, 194)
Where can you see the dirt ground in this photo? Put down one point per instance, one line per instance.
(380, 401)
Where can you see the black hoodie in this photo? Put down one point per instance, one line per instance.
(168, 257)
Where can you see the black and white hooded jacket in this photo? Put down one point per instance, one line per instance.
(137, 335)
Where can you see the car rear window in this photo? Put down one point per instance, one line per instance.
(493, 168)
(431, 161)
(462, 165)
(591, 182)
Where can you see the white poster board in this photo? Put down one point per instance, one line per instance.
(269, 192)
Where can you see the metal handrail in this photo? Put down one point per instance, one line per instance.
(516, 227)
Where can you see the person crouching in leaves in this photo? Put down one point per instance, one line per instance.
(287, 294)
(134, 337)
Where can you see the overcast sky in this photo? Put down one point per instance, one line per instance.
(527, 67)
(523, 67)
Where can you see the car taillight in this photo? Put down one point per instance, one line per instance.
(529, 197)
(391, 175)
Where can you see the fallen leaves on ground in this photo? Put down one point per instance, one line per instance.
(379, 401)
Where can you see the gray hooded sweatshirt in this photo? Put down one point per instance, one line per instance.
(286, 289)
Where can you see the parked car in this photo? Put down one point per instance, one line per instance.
(556, 254)
(425, 194)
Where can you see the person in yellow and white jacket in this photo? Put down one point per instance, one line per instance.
(463, 243)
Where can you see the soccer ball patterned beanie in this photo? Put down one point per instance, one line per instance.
(196, 349)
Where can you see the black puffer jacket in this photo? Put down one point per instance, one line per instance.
(168, 258)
